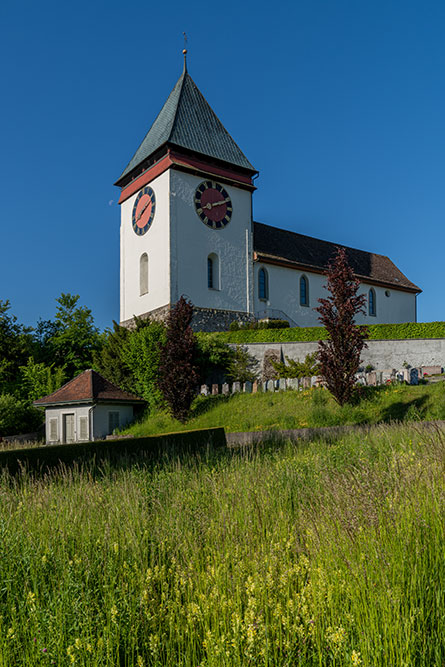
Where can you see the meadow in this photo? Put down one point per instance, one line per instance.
(310, 408)
(317, 554)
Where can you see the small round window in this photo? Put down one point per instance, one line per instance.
(387, 292)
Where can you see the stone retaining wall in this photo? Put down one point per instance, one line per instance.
(380, 354)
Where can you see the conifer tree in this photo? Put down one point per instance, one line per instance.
(178, 370)
(339, 355)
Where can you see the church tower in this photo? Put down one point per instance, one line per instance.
(186, 216)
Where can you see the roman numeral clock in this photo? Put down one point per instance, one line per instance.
(213, 204)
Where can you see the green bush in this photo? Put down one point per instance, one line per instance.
(254, 326)
(313, 334)
(18, 416)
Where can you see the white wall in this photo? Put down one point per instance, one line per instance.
(192, 242)
(155, 242)
(97, 420)
(284, 295)
(100, 418)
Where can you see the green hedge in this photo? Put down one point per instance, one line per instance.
(376, 332)
(172, 444)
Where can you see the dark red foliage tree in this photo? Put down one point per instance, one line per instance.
(339, 356)
(178, 370)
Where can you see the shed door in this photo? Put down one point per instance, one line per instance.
(68, 428)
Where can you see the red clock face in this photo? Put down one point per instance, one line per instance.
(143, 211)
(213, 204)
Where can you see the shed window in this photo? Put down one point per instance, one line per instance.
(53, 430)
(263, 284)
(304, 291)
(113, 421)
(143, 274)
(371, 303)
(83, 428)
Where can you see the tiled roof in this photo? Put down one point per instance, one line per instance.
(274, 244)
(187, 120)
(89, 386)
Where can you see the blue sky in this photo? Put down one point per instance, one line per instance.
(340, 105)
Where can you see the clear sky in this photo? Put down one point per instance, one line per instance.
(339, 104)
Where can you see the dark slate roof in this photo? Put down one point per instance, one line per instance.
(90, 387)
(186, 120)
(305, 251)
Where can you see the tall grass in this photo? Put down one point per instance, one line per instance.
(311, 555)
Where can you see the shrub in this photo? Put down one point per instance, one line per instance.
(242, 366)
(298, 369)
(17, 416)
(312, 334)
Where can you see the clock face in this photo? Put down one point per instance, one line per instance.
(143, 211)
(213, 204)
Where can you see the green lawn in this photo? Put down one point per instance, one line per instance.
(316, 555)
(315, 407)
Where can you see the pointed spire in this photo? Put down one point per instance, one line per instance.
(186, 120)
(184, 51)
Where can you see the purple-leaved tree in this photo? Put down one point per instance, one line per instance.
(339, 355)
(178, 371)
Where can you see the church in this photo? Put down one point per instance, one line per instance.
(187, 229)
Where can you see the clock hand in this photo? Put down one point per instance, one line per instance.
(219, 203)
(209, 205)
(143, 210)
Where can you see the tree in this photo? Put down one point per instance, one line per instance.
(15, 348)
(178, 370)
(339, 356)
(38, 379)
(75, 337)
(142, 355)
(110, 360)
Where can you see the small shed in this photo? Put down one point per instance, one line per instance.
(89, 407)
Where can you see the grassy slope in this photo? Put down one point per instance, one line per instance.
(312, 556)
(256, 412)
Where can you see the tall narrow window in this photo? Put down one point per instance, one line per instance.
(209, 272)
(371, 303)
(113, 421)
(304, 291)
(143, 274)
(213, 271)
(263, 284)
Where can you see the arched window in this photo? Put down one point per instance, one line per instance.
(213, 271)
(263, 284)
(143, 274)
(209, 272)
(372, 310)
(304, 291)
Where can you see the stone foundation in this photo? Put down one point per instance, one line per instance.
(204, 319)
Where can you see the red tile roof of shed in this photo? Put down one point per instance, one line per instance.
(89, 386)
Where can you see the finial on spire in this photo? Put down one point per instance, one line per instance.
(184, 51)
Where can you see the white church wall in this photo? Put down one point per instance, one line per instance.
(155, 242)
(284, 295)
(192, 242)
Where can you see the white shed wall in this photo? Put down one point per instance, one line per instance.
(100, 418)
(97, 420)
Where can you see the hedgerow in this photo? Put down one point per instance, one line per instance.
(308, 334)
